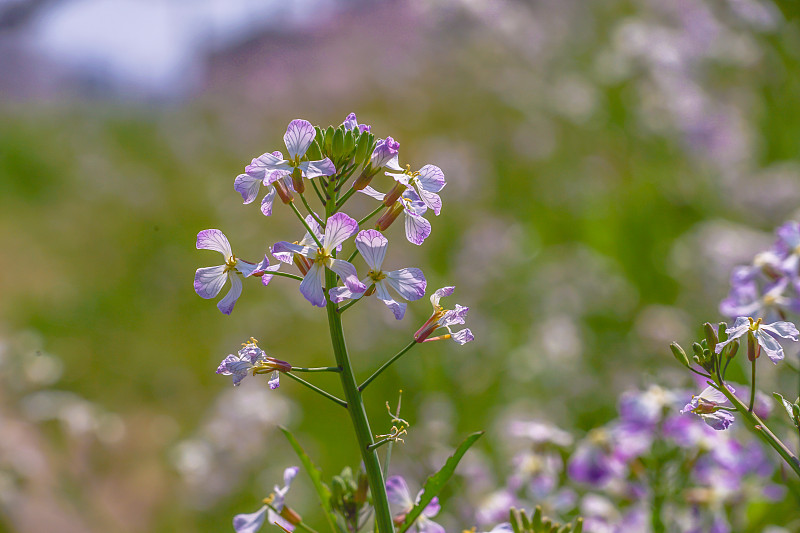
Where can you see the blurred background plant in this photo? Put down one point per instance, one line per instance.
(608, 164)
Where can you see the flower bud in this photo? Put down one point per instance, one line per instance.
(752, 354)
(389, 216)
(732, 348)
(679, 354)
(396, 192)
(363, 179)
(711, 336)
(384, 151)
(283, 191)
(290, 515)
(302, 263)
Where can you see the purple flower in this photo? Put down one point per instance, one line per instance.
(208, 282)
(409, 283)
(444, 318)
(753, 296)
(339, 228)
(788, 247)
(399, 495)
(594, 462)
(252, 522)
(539, 432)
(708, 405)
(351, 123)
(384, 151)
(249, 183)
(764, 333)
(417, 227)
(426, 181)
(251, 357)
(299, 136)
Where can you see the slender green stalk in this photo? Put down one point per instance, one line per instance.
(327, 394)
(303, 220)
(761, 429)
(387, 364)
(317, 369)
(286, 275)
(311, 211)
(344, 198)
(300, 524)
(387, 459)
(352, 256)
(380, 443)
(346, 306)
(372, 214)
(355, 405)
(316, 190)
(752, 386)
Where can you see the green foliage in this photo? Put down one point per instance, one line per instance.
(538, 523)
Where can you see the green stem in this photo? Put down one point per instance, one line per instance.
(387, 364)
(752, 386)
(303, 220)
(347, 306)
(316, 190)
(372, 214)
(352, 256)
(300, 525)
(380, 443)
(344, 198)
(355, 406)
(327, 394)
(316, 369)
(761, 429)
(388, 458)
(286, 275)
(311, 211)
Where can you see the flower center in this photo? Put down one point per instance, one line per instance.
(755, 324)
(230, 263)
(376, 276)
(322, 256)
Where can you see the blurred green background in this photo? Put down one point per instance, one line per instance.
(607, 164)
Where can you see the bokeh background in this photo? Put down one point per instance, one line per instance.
(608, 162)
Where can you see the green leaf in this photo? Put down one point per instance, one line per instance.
(786, 405)
(315, 474)
(434, 484)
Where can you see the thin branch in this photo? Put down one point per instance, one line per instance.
(303, 220)
(317, 389)
(386, 365)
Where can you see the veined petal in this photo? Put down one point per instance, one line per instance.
(214, 239)
(454, 316)
(274, 380)
(369, 191)
(226, 304)
(433, 508)
(397, 308)
(267, 162)
(417, 228)
(462, 336)
(739, 328)
(266, 203)
(426, 525)
(284, 246)
(348, 273)
(307, 239)
(371, 244)
(338, 228)
(398, 494)
(409, 283)
(787, 330)
(209, 281)
(394, 163)
(299, 136)
(313, 169)
(441, 293)
(340, 294)
(431, 178)
(246, 268)
(247, 186)
(266, 278)
(311, 286)
(431, 200)
(719, 420)
(250, 523)
(770, 345)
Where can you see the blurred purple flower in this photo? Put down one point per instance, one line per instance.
(708, 405)
(252, 522)
(399, 495)
(594, 462)
(351, 123)
(251, 357)
(417, 227)
(444, 318)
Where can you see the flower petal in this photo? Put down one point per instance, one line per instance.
(250, 523)
(274, 380)
(214, 239)
(441, 293)
(787, 330)
(338, 228)
(266, 203)
(284, 246)
(311, 286)
(348, 273)
(209, 281)
(226, 304)
(398, 494)
(738, 329)
(247, 186)
(371, 244)
(340, 294)
(433, 508)
(397, 308)
(426, 525)
(454, 316)
(462, 336)
(369, 191)
(409, 283)
(770, 345)
(417, 228)
(313, 169)
(299, 136)
(431, 200)
(267, 162)
(431, 178)
(307, 239)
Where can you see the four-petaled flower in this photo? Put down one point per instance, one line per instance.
(398, 494)
(444, 318)
(252, 522)
(252, 358)
(417, 227)
(426, 181)
(763, 333)
(408, 282)
(710, 406)
(209, 281)
(298, 138)
(255, 175)
(338, 228)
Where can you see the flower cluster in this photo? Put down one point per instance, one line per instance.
(770, 286)
(607, 477)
